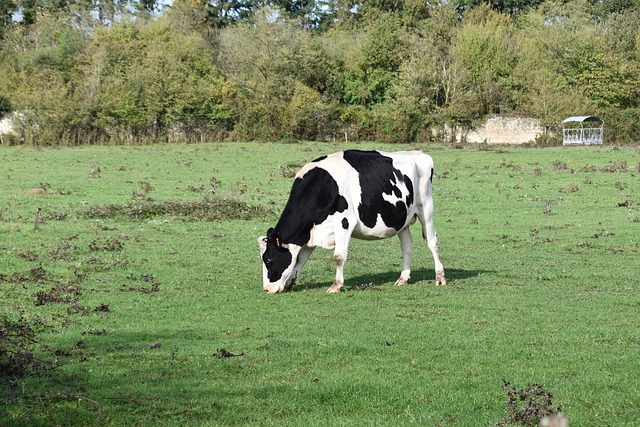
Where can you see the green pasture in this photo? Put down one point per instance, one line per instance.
(137, 270)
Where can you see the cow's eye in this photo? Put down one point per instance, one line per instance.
(267, 262)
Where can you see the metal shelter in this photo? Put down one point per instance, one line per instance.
(582, 130)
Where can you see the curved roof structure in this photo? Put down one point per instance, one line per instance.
(582, 119)
(574, 130)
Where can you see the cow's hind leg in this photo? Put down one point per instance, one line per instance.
(338, 282)
(342, 237)
(406, 243)
(429, 233)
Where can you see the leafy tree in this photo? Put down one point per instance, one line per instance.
(603, 8)
(483, 49)
(155, 80)
(407, 12)
(509, 7)
(428, 80)
(294, 8)
(222, 13)
(609, 81)
(262, 62)
(134, 81)
(307, 116)
(377, 64)
(7, 8)
(29, 10)
(5, 106)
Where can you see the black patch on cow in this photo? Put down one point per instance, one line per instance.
(377, 177)
(319, 159)
(276, 258)
(345, 223)
(314, 197)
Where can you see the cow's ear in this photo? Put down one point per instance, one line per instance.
(274, 236)
(262, 242)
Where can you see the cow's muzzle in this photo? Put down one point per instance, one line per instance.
(271, 290)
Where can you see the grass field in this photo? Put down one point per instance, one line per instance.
(137, 270)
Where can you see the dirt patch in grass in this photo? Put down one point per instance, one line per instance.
(66, 293)
(35, 275)
(151, 284)
(208, 209)
(17, 355)
(365, 287)
(108, 245)
(223, 353)
(528, 406)
(619, 166)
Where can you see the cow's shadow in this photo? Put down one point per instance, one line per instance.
(390, 277)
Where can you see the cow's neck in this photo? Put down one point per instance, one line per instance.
(293, 227)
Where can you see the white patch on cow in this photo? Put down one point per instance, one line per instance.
(380, 231)
(323, 235)
(306, 168)
(392, 198)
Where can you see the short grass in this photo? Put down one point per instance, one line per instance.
(138, 267)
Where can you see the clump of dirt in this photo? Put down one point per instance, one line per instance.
(572, 189)
(152, 286)
(527, 406)
(95, 332)
(559, 166)
(66, 293)
(110, 245)
(144, 190)
(35, 275)
(619, 166)
(101, 308)
(19, 346)
(62, 250)
(28, 256)
(589, 169)
(289, 170)
(223, 353)
(365, 287)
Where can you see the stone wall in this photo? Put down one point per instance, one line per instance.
(6, 126)
(499, 130)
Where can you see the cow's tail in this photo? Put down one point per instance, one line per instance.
(427, 170)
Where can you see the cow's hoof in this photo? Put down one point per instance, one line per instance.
(401, 282)
(440, 280)
(334, 289)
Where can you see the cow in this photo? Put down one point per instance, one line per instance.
(367, 195)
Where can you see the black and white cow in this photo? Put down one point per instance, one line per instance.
(363, 194)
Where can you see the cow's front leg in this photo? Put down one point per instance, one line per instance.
(406, 243)
(303, 256)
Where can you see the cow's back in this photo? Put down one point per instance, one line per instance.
(384, 189)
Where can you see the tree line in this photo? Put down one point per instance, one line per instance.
(113, 72)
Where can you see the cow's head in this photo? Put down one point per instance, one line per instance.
(278, 262)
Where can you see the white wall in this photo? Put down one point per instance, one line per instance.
(500, 130)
